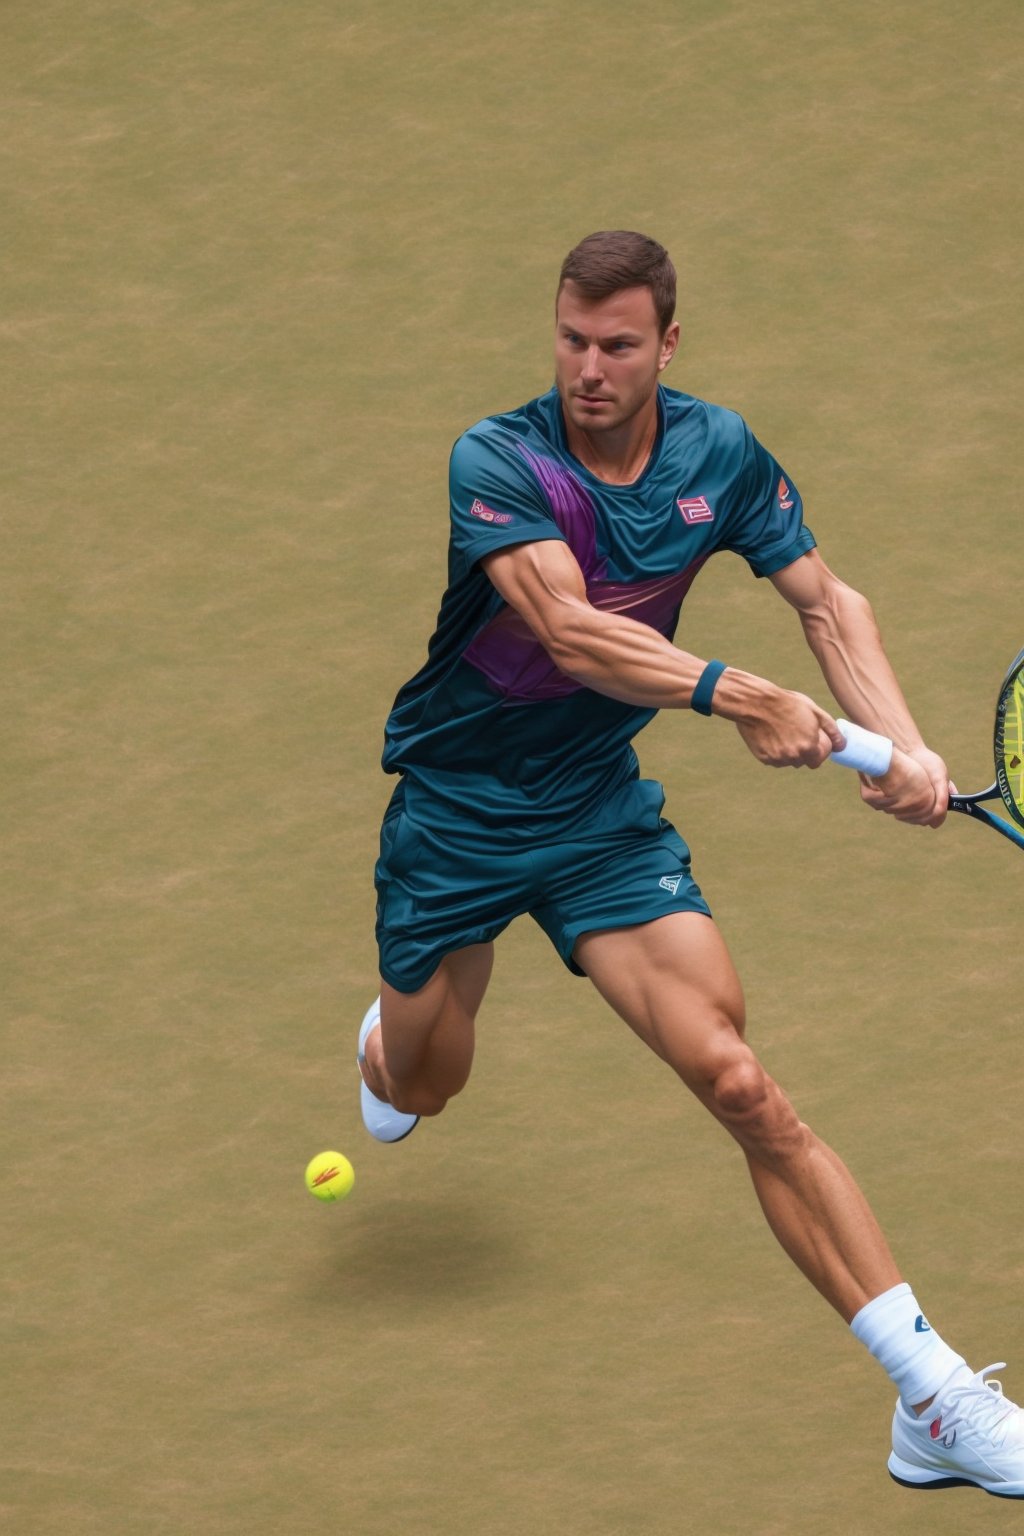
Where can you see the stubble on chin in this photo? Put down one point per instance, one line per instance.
(593, 421)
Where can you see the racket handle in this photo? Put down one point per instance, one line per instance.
(865, 750)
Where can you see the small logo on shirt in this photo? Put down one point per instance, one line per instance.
(783, 495)
(670, 883)
(921, 1324)
(486, 515)
(695, 509)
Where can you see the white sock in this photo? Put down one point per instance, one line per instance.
(895, 1330)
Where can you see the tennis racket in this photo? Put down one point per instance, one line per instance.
(870, 753)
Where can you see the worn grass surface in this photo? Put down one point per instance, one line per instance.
(262, 264)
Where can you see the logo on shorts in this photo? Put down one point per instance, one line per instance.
(695, 509)
(784, 503)
(671, 883)
(488, 515)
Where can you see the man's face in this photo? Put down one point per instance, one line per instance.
(608, 355)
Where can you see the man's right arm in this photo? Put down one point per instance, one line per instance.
(632, 662)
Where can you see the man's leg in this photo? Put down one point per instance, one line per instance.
(674, 983)
(421, 1055)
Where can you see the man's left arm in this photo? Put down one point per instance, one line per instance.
(840, 628)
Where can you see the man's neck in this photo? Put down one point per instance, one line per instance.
(618, 456)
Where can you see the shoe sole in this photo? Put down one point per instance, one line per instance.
(927, 1482)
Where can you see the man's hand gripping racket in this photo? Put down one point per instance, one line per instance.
(870, 753)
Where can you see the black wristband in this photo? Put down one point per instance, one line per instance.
(705, 689)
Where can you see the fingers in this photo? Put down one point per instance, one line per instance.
(807, 754)
(919, 809)
(943, 790)
(836, 739)
(822, 749)
(791, 731)
(823, 737)
(829, 739)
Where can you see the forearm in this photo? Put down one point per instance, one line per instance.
(614, 655)
(846, 642)
(631, 662)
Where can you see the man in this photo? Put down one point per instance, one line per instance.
(578, 523)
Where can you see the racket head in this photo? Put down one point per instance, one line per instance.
(1009, 739)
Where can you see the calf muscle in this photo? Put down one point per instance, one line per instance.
(674, 984)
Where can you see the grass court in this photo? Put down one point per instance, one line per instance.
(262, 265)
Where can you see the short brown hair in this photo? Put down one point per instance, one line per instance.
(612, 259)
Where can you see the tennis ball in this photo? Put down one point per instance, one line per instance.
(330, 1176)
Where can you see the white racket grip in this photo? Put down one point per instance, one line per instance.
(865, 750)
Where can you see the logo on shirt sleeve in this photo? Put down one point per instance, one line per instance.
(783, 494)
(488, 515)
(695, 509)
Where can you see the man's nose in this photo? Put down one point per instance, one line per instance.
(592, 363)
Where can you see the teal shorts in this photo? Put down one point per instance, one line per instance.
(443, 884)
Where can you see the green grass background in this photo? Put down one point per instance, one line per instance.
(262, 264)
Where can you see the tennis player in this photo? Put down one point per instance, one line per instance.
(578, 524)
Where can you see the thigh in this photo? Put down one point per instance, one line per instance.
(674, 983)
(439, 1017)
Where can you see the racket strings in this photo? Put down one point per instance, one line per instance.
(1013, 744)
(1010, 747)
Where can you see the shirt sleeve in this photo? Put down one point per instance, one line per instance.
(766, 523)
(495, 499)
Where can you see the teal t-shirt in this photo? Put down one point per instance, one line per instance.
(489, 725)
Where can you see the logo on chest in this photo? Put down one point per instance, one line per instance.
(695, 509)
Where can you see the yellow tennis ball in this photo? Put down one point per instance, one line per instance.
(330, 1176)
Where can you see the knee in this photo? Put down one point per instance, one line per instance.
(417, 1099)
(741, 1087)
(756, 1111)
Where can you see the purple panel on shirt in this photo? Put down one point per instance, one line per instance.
(514, 662)
(571, 508)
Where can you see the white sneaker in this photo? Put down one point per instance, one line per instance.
(971, 1435)
(381, 1119)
